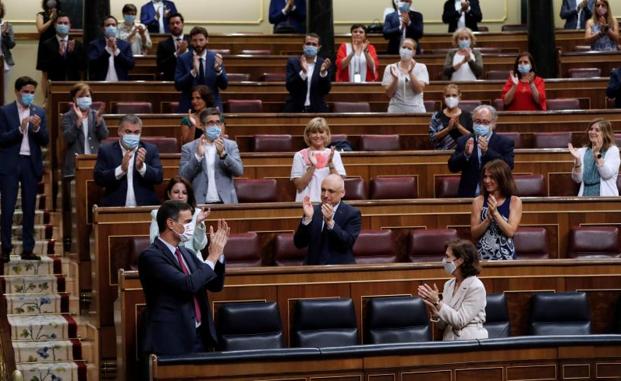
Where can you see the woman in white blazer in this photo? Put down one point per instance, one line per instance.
(461, 310)
(596, 165)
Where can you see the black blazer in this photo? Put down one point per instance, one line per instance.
(109, 157)
(450, 16)
(499, 147)
(320, 87)
(98, 59)
(169, 326)
(166, 59)
(393, 34)
(338, 249)
(62, 68)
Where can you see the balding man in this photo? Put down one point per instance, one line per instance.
(473, 151)
(330, 229)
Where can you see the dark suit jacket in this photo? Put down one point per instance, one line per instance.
(62, 68)
(614, 87)
(320, 87)
(109, 157)
(570, 14)
(296, 19)
(169, 323)
(98, 59)
(499, 147)
(393, 34)
(332, 246)
(184, 81)
(166, 59)
(147, 16)
(450, 16)
(11, 139)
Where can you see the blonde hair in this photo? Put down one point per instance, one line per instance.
(452, 86)
(78, 88)
(467, 31)
(409, 40)
(318, 124)
(610, 20)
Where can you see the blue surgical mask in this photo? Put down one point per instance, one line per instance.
(129, 18)
(110, 31)
(463, 44)
(27, 99)
(84, 102)
(403, 6)
(212, 132)
(481, 129)
(62, 29)
(524, 69)
(130, 141)
(310, 50)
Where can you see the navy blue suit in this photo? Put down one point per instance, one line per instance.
(294, 20)
(98, 58)
(329, 247)
(184, 81)
(320, 87)
(570, 14)
(16, 169)
(147, 16)
(499, 147)
(109, 157)
(393, 34)
(169, 322)
(450, 16)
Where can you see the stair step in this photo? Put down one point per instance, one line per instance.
(31, 284)
(41, 247)
(41, 232)
(65, 371)
(44, 351)
(46, 266)
(42, 328)
(40, 202)
(41, 217)
(37, 304)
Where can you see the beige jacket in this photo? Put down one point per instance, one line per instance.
(462, 315)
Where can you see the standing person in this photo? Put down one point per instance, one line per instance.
(288, 16)
(357, 61)
(308, 79)
(496, 212)
(401, 24)
(405, 81)
(524, 89)
(330, 229)
(63, 57)
(462, 14)
(23, 132)
(613, 90)
(596, 165)
(155, 15)
(8, 42)
(110, 58)
(200, 67)
(451, 123)
(461, 311)
(602, 29)
(576, 13)
(136, 34)
(170, 49)
(463, 63)
(45, 27)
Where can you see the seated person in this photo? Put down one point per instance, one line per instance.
(190, 124)
(357, 61)
(128, 169)
(461, 311)
(596, 165)
(311, 165)
(401, 24)
(451, 123)
(405, 81)
(576, 13)
(496, 212)
(110, 59)
(136, 34)
(288, 16)
(524, 90)
(602, 29)
(211, 162)
(464, 63)
(194, 237)
(155, 15)
(62, 58)
(462, 14)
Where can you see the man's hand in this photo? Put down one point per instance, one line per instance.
(182, 47)
(325, 65)
(469, 147)
(35, 120)
(23, 126)
(307, 206)
(125, 163)
(217, 65)
(196, 63)
(219, 146)
(289, 6)
(465, 4)
(483, 144)
(328, 212)
(200, 147)
(405, 19)
(111, 43)
(218, 240)
(70, 46)
(140, 156)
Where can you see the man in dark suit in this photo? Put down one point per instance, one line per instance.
(576, 13)
(473, 151)
(175, 283)
(288, 16)
(613, 90)
(22, 134)
(128, 169)
(62, 58)
(308, 79)
(155, 15)
(462, 13)
(169, 49)
(108, 50)
(329, 230)
(199, 67)
(403, 23)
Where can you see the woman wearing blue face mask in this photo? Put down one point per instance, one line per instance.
(135, 33)
(460, 313)
(83, 128)
(405, 81)
(463, 63)
(524, 90)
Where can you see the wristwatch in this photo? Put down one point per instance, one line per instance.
(224, 156)
(599, 155)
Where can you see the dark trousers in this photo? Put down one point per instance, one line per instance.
(8, 188)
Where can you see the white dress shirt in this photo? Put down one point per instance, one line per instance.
(24, 112)
(461, 23)
(130, 199)
(210, 163)
(309, 75)
(111, 74)
(87, 146)
(159, 8)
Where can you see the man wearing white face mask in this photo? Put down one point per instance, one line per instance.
(401, 24)
(128, 169)
(405, 81)
(211, 162)
(110, 58)
(62, 58)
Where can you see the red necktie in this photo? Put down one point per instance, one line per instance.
(197, 308)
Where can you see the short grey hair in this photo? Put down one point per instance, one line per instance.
(130, 119)
(489, 108)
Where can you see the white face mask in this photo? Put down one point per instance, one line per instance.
(449, 267)
(451, 102)
(188, 232)
(406, 54)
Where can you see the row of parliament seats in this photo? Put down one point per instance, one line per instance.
(423, 245)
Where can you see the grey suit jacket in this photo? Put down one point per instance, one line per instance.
(8, 43)
(74, 138)
(196, 171)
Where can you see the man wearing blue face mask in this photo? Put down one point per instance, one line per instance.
(211, 162)
(308, 79)
(128, 169)
(401, 24)
(22, 134)
(473, 151)
(62, 58)
(110, 58)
